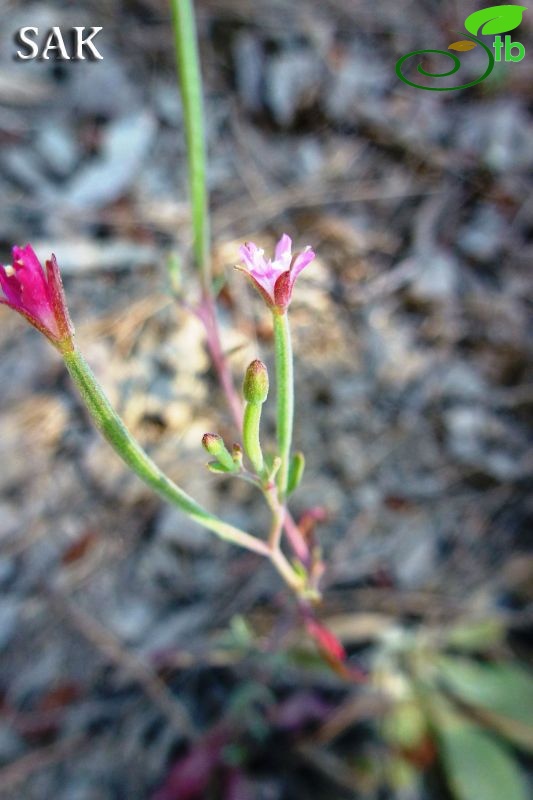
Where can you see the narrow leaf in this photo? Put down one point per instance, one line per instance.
(296, 470)
(476, 635)
(477, 766)
(503, 692)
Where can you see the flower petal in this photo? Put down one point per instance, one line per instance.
(10, 287)
(251, 254)
(283, 250)
(57, 298)
(301, 260)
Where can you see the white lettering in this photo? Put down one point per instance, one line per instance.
(55, 35)
(24, 39)
(86, 42)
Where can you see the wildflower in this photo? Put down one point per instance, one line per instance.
(38, 295)
(274, 278)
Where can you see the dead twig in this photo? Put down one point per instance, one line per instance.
(23, 768)
(108, 644)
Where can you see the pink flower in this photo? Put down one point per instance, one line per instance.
(38, 295)
(274, 279)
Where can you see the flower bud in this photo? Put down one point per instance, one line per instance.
(37, 294)
(214, 445)
(237, 455)
(255, 385)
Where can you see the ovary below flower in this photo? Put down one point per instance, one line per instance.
(274, 278)
(38, 295)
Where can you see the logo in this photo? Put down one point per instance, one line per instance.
(72, 45)
(494, 20)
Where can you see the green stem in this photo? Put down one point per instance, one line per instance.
(278, 514)
(130, 451)
(285, 395)
(190, 81)
(250, 436)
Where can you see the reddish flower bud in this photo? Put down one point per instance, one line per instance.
(38, 295)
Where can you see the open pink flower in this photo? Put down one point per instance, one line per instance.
(274, 278)
(38, 295)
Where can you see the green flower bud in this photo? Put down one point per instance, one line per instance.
(255, 385)
(214, 445)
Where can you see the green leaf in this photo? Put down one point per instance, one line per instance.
(495, 19)
(475, 636)
(296, 470)
(217, 468)
(503, 692)
(477, 767)
(405, 725)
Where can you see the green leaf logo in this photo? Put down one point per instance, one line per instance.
(496, 19)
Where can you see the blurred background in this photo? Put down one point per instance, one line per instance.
(140, 657)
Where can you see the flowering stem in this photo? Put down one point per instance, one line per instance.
(130, 451)
(190, 81)
(206, 313)
(285, 394)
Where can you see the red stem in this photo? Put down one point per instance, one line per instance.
(296, 540)
(207, 314)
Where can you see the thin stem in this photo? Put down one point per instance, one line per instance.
(296, 539)
(291, 578)
(190, 81)
(131, 452)
(250, 436)
(285, 395)
(206, 312)
(278, 515)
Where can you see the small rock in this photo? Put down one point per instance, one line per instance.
(484, 235)
(58, 147)
(437, 277)
(291, 84)
(131, 619)
(127, 142)
(9, 613)
(249, 65)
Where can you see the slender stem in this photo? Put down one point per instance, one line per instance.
(206, 312)
(250, 436)
(278, 515)
(190, 81)
(296, 539)
(131, 452)
(285, 395)
(291, 578)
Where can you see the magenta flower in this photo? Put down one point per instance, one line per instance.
(38, 295)
(274, 279)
